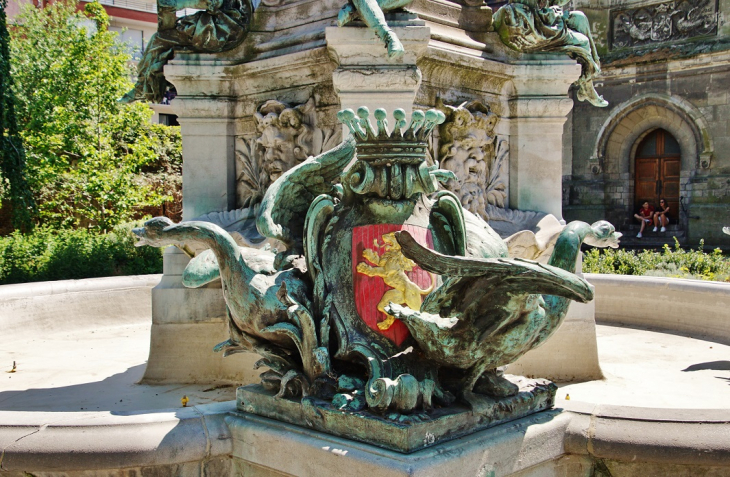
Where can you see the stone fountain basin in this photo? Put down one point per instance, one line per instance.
(74, 405)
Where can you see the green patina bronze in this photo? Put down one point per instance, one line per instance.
(371, 13)
(543, 26)
(219, 26)
(392, 305)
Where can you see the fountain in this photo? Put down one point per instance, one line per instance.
(372, 220)
(391, 302)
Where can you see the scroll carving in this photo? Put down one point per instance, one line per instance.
(469, 148)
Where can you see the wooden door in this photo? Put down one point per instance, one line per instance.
(656, 172)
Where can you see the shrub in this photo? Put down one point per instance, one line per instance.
(676, 263)
(48, 254)
(91, 161)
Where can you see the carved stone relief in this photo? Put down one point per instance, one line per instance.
(469, 147)
(285, 136)
(662, 22)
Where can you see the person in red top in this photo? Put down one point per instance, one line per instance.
(645, 216)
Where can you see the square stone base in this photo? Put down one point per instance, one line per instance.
(405, 434)
(529, 447)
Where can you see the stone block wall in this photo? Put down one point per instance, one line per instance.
(680, 85)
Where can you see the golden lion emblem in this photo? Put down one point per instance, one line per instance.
(392, 266)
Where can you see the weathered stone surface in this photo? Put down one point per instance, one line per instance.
(662, 22)
(397, 432)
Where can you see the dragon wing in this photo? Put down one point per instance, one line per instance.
(201, 270)
(536, 244)
(287, 200)
(504, 275)
(447, 224)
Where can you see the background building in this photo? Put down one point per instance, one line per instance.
(666, 132)
(135, 21)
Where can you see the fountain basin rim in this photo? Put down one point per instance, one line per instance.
(99, 441)
(696, 308)
(26, 290)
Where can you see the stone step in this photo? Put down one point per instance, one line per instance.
(673, 228)
(650, 239)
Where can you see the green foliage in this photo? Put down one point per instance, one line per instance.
(676, 263)
(91, 161)
(47, 254)
(13, 185)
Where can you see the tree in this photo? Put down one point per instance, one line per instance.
(90, 160)
(12, 154)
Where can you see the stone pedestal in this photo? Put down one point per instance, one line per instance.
(532, 446)
(537, 112)
(365, 76)
(570, 355)
(401, 433)
(186, 324)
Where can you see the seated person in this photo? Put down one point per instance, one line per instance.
(645, 216)
(660, 216)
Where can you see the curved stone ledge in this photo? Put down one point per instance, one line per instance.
(694, 307)
(661, 436)
(75, 304)
(95, 441)
(24, 290)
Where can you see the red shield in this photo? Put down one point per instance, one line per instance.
(381, 274)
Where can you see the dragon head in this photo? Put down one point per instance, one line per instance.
(604, 235)
(151, 233)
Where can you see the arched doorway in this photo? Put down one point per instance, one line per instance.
(657, 166)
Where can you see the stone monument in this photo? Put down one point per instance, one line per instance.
(267, 99)
(392, 308)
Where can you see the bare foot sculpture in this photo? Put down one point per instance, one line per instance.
(371, 13)
(543, 26)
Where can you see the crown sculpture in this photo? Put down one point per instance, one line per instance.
(392, 309)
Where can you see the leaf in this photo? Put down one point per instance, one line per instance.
(496, 189)
(251, 175)
(91, 162)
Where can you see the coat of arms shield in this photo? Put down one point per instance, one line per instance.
(382, 274)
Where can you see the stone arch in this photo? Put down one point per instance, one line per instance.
(623, 130)
(633, 120)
